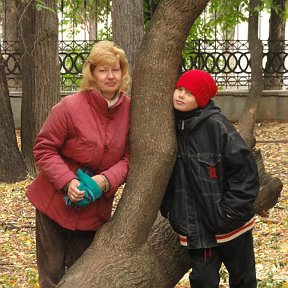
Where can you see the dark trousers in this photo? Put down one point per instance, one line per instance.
(57, 249)
(238, 257)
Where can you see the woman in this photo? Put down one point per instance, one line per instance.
(86, 130)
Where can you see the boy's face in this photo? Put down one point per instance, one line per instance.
(183, 100)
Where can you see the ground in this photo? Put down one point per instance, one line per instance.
(17, 226)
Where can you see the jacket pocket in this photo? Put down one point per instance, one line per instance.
(224, 223)
(210, 167)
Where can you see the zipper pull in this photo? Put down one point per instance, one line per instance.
(182, 125)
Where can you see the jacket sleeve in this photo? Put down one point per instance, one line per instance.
(242, 183)
(167, 199)
(48, 144)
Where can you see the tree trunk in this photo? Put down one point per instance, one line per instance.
(40, 70)
(10, 44)
(275, 57)
(12, 167)
(122, 255)
(128, 16)
(9, 24)
(93, 26)
(172, 258)
(248, 116)
(270, 187)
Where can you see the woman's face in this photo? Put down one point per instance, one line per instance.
(108, 79)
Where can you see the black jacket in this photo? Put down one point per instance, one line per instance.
(214, 182)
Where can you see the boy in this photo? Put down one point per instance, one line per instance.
(210, 196)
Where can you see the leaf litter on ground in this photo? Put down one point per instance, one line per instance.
(17, 223)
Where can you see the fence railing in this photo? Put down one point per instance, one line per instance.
(227, 61)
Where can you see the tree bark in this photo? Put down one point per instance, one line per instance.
(128, 16)
(40, 70)
(10, 44)
(172, 258)
(10, 26)
(275, 57)
(12, 167)
(248, 116)
(122, 255)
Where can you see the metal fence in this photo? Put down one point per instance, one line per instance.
(227, 61)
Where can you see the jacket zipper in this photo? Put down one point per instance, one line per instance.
(182, 124)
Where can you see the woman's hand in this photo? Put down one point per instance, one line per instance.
(99, 179)
(74, 193)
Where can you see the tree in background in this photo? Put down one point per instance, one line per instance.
(10, 45)
(275, 57)
(12, 167)
(92, 15)
(9, 13)
(40, 70)
(128, 16)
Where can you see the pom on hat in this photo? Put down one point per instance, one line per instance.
(200, 83)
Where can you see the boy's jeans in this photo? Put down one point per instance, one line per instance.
(238, 257)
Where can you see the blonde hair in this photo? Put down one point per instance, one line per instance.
(104, 52)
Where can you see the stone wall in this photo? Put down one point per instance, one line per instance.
(273, 105)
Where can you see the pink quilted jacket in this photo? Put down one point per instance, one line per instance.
(80, 132)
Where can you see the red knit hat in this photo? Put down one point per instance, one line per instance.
(200, 83)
